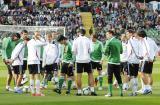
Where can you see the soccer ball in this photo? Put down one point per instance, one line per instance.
(26, 89)
(86, 91)
(54, 80)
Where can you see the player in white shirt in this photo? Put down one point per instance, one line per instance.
(17, 63)
(134, 56)
(34, 62)
(124, 65)
(149, 51)
(82, 48)
(50, 59)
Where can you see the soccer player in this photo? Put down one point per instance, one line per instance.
(67, 60)
(8, 44)
(34, 62)
(24, 34)
(17, 63)
(50, 59)
(97, 59)
(124, 65)
(82, 48)
(113, 49)
(134, 55)
(149, 51)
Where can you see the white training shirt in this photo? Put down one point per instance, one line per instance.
(123, 56)
(133, 49)
(18, 54)
(82, 47)
(34, 47)
(150, 49)
(50, 54)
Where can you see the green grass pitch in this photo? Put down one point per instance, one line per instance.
(51, 98)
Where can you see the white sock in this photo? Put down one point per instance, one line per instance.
(32, 86)
(134, 83)
(92, 89)
(79, 91)
(38, 86)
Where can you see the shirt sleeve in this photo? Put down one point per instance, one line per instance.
(107, 48)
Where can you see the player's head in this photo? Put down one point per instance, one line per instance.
(141, 34)
(124, 38)
(94, 37)
(36, 35)
(109, 34)
(130, 33)
(24, 34)
(49, 37)
(82, 32)
(15, 36)
(55, 35)
(62, 39)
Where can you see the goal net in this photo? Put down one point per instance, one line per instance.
(7, 30)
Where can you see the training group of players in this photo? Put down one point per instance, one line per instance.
(126, 56)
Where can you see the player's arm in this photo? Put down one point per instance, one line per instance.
(74, 47)
(107, 48)
(40, 42)
(17, 50)
(44, 57)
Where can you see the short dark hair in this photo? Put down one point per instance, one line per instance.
(24, 31)
(142, 33)
(131, 31)
(111, 32)
(83, 32)
(16, 35)
(95, 36)
(61, 37)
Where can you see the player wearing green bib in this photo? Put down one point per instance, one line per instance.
(113, 49)
(97, 59)
(67, 64)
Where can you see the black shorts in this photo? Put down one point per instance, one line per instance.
(67, 70)
(34, 68)
(133, 69)
(124, 67)
(49, 69)
(24, 65)
(84, 67)
(96, 65)
(147, 67)
(18, 69)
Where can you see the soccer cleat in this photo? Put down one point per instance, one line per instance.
(19, 91)
(57, 91)
(68, 92)
(100, 88)
(132, 94)
(147, 92)
(78, 94)
(108, 95)
(121, 94)
(33, 94)
(96, 81)
(9, 89)
(93, 94)
(140, 91)
(40, 94)
(24, 81)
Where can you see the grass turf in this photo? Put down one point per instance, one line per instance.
(51, 98)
